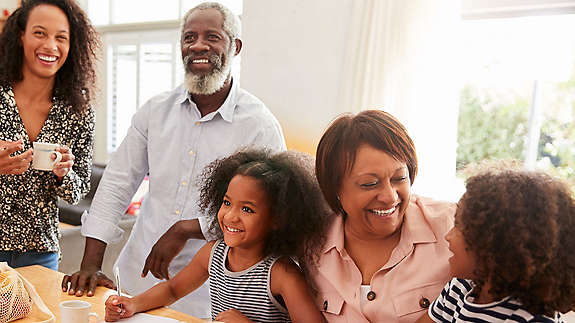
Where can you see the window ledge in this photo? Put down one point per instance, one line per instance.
(139, 26)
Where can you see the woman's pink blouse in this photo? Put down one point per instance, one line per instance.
(403, 288)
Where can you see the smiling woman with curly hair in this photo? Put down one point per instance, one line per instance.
(512, 245)
(76, 78)
(47, 78)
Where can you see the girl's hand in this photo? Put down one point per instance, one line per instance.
(63, 167)
(17, 164)
(113, 310)
(232, 316)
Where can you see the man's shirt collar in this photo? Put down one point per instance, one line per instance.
(226, 110)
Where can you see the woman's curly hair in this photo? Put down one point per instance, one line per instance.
(520, 225)
(75, 81)
(296, 201)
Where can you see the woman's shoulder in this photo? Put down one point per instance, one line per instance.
(6, 96)
(334, 223)
(433, 207)
(439, 214)
(67, 111)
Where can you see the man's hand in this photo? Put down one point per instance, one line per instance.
(90, 274)
(14, 164)
(169, 246)
(90, 278)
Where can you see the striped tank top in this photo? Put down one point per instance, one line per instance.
(247, 291)
(455, 304)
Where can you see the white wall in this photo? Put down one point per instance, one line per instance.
(8, 4)
(293, 60)
(482, 9)
(99, 104)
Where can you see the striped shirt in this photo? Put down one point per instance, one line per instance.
(455, 305)
(247, 291)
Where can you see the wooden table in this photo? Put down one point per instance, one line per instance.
(48, 284)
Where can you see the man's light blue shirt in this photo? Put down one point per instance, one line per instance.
(170, 140)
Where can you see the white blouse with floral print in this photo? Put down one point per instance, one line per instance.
(28, 202)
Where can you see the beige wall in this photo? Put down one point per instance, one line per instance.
(8, 4)
(293, 59)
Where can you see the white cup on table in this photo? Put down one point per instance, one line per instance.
(76, 312)
(42, 158)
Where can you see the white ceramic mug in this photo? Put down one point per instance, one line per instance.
(42, 159)
(76, 312)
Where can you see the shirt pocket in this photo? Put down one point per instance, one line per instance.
(331, 306)
(411, 304)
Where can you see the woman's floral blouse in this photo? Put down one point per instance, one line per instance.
(28, 202)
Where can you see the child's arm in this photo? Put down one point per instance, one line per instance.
(288, 281)
(165, 293)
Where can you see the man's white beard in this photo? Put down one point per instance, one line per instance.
(209, 83)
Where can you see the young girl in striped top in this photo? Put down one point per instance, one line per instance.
(266, 209)
(513, 251)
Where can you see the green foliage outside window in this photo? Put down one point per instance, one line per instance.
(494, 126)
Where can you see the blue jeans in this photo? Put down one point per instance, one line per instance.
(20, 259)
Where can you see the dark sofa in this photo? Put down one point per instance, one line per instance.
(72, 214)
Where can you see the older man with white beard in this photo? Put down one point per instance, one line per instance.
(172, 137)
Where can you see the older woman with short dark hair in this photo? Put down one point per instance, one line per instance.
(385, 257)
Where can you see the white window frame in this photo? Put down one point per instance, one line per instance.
(494, 9)
(489, 9)
(136, 35)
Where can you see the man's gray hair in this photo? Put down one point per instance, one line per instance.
(232, 25)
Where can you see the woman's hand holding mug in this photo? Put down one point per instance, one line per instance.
(62, 167)
(53, 157)
(16, 164)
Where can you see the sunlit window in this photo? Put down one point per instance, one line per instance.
(123, 83)
(518, 99)
(105, 12)
(236, 6)
(140, 65)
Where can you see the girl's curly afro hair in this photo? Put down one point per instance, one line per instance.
(521, 227)
(296, 201)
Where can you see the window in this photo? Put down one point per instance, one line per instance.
(139, 66)
(142, 54)
(113, 12)
(518, 96)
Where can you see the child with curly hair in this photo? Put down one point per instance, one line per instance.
(265, 210)
(512, 246)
